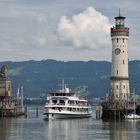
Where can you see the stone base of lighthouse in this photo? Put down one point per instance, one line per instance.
(113, 114)
(119, 90)
(118, 103)
(117, 114)
(114, 110)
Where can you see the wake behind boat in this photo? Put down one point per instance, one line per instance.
(66, 104)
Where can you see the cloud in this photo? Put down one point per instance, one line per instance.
(87, 30)
(29, 31)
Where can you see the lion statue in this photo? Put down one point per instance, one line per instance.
(4, 72)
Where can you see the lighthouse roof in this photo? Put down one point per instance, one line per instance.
(119, 17)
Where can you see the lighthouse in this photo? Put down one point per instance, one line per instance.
(119, 80)
(118, 104)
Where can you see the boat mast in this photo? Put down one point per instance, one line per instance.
(134, 100)
(63, 85)
(22, 96)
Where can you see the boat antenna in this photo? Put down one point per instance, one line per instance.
(134, 99)
(63, 84)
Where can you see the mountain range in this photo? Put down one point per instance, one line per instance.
(92, 77)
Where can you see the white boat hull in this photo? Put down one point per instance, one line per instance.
(65, 115)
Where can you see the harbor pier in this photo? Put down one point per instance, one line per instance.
(116, 110)
(9, 109)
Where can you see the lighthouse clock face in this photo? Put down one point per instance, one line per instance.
(117, 51)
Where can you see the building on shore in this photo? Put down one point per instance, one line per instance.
(118, 102)
(8, 106)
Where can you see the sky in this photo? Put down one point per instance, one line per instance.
(66, 30)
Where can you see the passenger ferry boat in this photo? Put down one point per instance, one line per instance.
(66, 104)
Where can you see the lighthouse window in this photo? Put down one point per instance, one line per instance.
(117, 86)
(117, 72)
(123, 61)
(117, 40)
(123, 40)
(123, 86)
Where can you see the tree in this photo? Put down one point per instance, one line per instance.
(82, 90)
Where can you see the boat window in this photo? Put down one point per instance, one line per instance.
(54, 101)
(62, 102)
(117, 72)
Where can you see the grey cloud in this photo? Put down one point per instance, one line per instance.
(28, 29)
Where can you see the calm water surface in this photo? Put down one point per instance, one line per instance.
(32, 128)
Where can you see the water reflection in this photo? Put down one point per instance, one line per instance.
(10, 128)
(123, 130)
(119, 130)
(5, 127)
(68, 129)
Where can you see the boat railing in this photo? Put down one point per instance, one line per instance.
(57, 109)
(81, 105)
(62, 104)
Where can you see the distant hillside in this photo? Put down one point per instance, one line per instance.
(40, 77)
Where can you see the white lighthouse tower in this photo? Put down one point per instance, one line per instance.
(119, 90)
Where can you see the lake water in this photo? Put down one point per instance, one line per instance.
(32, 128)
